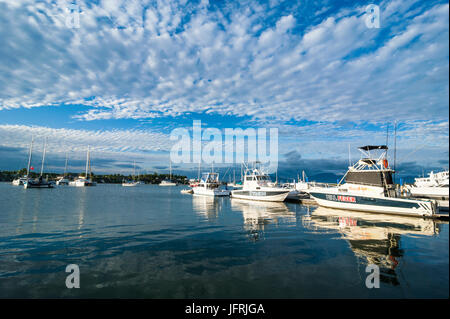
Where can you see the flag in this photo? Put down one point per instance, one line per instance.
(32, 168)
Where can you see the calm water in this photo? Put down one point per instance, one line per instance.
(153, 242)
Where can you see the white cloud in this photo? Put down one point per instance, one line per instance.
(156, 66)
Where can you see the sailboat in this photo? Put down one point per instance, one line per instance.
(21, 180)
(168, 182)
(62, 180)
(85, 181)
(39, 182)
(133, 182)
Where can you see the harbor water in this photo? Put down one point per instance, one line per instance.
(154, 242)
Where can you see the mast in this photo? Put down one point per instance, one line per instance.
(87, 163)
(349, 160)
(395, 147)
(198, 174)
(29, 156)
(134, 170)
(65, 166)
(43, 157)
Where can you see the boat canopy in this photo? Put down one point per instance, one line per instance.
(373, 147)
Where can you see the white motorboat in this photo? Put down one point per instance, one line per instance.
(209, 185)
(257, 186)
(369, 187)
(434, 186)
(85, 181)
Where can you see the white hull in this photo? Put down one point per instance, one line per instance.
(27, 185)
(62, 182)
(392, 205)
(430, 192)
(83, 183)
(18, 182)
(167, 184)
(130, 184)
(266, 197)
(210, 192)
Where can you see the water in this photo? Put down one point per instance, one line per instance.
(153, 242)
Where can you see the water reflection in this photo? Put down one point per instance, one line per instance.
(374, 238)
(207, 207)
(257, 215)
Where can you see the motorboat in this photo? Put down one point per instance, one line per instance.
(258, 186)
(209, 185)
(434, 186)
(369, 187)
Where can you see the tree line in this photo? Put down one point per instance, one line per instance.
(155, 178)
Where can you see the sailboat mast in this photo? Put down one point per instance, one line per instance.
(65, 166)
(43, 157)
(395, 146)
(29, 156)
(87, 162)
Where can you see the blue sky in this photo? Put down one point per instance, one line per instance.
(135, 70)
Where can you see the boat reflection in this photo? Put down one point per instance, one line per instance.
(257, 215)
(207, 207)
(374, 238)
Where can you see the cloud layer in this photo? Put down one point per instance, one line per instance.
(139, 59)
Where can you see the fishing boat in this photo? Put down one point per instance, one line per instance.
(85, 181)
(39, 182)
(62, 180)
(434, 186)
(210, 186)
(133, 182)
(369, 187)
(168, 182)
(257, 186)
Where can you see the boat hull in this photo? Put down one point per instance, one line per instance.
(263, 195)
(82, 184)
(430, 192)
(27, 185)
(210, 192)
(384, 205)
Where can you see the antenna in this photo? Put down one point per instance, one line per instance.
(387, 134)
(395, 146)
(349, 161)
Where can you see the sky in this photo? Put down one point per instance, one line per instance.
(122, 75)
